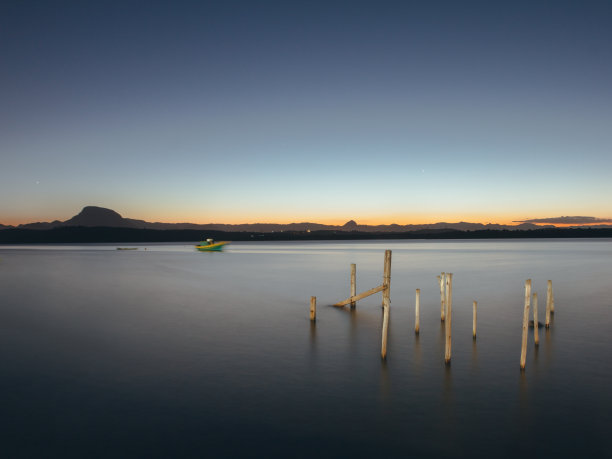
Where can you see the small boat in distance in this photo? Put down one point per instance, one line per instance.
(209, 245)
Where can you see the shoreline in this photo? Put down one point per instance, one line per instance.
(106, 234)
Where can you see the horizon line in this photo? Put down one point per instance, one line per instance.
(561, 221)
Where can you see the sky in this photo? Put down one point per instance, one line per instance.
(259, 111)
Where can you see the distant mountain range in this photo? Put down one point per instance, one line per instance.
(92, 216)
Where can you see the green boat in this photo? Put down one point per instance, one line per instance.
(209, 245)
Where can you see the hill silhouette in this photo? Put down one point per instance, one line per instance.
(98, 216)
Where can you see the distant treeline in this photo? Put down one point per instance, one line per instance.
(103, 234)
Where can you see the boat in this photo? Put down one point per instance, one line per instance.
(209, 245)
(127, 248)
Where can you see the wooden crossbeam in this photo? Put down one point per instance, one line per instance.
(361, 296)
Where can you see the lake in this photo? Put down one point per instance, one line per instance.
(169, 352)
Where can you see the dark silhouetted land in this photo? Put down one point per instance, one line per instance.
(97, 224)
(105, 234)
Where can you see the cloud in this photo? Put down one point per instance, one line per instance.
(568, 220)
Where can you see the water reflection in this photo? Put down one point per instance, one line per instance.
(213, 343)
(447, 390)
(353, 329)
(522, 385)
(417, 354)
(313, 354)
(313, 334)
(548, 345)
(448, 403)
(442, 337)
(523, 396)
(385, 389)
(353, 314)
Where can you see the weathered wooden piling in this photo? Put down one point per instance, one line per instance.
(353, 284)
(313, 308)
(385, 287)
(548, 300)
(525, 323)
(417, 311)
(386, 277)
(442, 289)
(552, 299)
(536, 335)
(385, 328)
(474, 306)
(448, 297)
(386, 302)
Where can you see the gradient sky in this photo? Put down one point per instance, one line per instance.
(257, 111)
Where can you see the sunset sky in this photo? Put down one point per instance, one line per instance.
(286, 111)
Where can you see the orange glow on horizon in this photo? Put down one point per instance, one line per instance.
(328, 220)
(284, 218)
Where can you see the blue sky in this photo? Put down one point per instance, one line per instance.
(382, 112)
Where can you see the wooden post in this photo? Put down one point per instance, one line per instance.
(313, 308)
(552, 299)
(417, 311)
(525, 323)
(441, 281)
(548, 298)
(536, 335)
(449, 316)
(386, 277)
(385, 288)
(474, 306)
(386, 302)
(353, 283)
(385, 328)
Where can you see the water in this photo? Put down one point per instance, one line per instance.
(169, 352)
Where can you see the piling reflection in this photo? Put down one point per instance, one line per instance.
(417, 354)
(353, 323)
(353, 330)
(523, 395)
(442, 337)
(448, 399)
(313, 334)
(385, 390)
(448, 384)
(548, 345)
(313, 343)
(537, 372)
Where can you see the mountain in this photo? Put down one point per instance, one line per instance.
(93, 216)
(98, 216)
(351, 225)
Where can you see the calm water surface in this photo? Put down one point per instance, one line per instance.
(169, 352)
